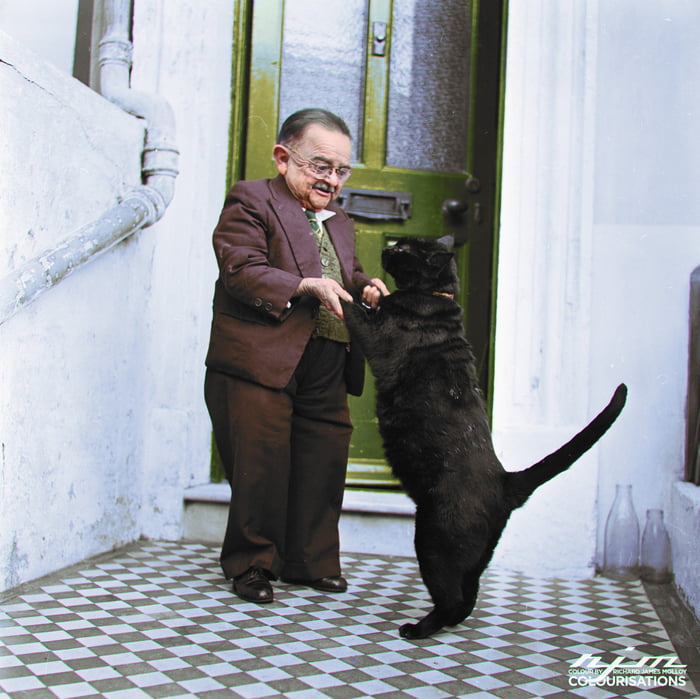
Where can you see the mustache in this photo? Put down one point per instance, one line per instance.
(324, 187)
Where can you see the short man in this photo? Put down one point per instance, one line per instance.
(276, 367)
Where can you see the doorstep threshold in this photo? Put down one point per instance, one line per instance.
(380, 502)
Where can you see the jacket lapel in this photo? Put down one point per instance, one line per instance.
(339, 230)
(295, 226)
(302, 242)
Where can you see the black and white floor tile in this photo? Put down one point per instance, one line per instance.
(157, 619)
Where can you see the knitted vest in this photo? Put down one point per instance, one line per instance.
(327, 324)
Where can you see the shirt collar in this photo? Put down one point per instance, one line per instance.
(324, 215)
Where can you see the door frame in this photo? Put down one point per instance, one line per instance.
(484, 152)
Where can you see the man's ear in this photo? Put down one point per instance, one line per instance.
(281, 156)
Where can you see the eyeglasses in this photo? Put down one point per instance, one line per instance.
(320, 168)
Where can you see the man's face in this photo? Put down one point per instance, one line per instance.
(320, 146)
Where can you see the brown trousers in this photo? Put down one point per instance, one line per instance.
(285, 455)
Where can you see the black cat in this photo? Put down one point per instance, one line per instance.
(435, 430)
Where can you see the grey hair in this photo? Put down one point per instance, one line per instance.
(295, 124)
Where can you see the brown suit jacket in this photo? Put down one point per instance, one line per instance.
(264, 246)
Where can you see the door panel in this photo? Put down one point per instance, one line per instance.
(404, 76)
(428, 100)
(325, 52)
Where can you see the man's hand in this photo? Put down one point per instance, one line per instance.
(372, 293)
(327, 291)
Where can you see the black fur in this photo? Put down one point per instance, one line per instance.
(435, 429)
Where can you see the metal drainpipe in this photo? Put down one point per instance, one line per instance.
(140, 207)
(160, 156)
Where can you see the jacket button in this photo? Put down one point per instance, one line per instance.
(268, 306)
(258, 303)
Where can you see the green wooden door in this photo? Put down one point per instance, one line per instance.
(418, 82)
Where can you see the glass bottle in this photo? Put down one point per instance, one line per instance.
(656, 549)
(621, 556)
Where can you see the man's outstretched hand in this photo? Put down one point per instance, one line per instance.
(330, 293)
(327, 291)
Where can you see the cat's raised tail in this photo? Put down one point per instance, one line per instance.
(521, 484)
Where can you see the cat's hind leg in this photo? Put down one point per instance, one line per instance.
(458, 609)
(450, 569)
(444, 578)
(470, 591)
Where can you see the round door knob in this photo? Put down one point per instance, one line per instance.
(454, 207)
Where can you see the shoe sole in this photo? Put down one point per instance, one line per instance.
(267, 600)
(308, 583)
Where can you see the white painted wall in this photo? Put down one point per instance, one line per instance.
(600, 231)
(47, 27)
(103, 423)
(646, 237)
(183, 52)
(541, 395)
(70, 424)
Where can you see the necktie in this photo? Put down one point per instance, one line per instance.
(315, 225)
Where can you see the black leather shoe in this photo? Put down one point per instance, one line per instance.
(253, 586)
(331, 583)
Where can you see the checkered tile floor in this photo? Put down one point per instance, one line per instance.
(158, 620)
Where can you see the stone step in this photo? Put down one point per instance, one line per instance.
(379, 522)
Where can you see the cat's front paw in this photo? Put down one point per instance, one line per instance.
(347, 306)
(356, 312)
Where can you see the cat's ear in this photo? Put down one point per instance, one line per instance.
(448, 241)
(440, 259)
